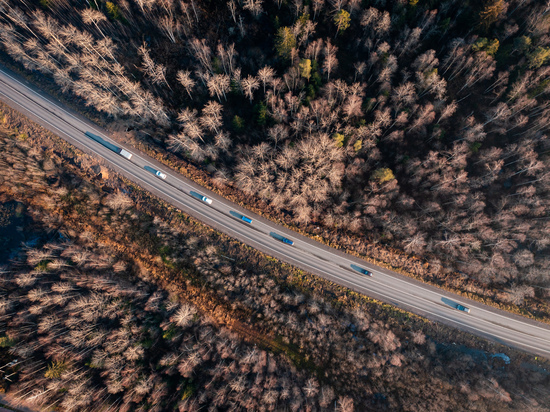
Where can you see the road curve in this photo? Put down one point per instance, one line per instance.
(312, 256)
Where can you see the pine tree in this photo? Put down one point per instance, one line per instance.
(490, 13)
(285, 42)
(305, 68)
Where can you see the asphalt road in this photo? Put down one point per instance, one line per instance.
(331, 264)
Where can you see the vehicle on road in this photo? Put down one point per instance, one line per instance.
(125, 154)
(246, 219)
(200, 197)
(109, 145)
(156, 172)
(365, 272)
(463, 308)
(281, 238)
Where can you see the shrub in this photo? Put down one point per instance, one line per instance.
(6, 342)
(383, 175)
(238, 124)
(55, 370)
(113, 10)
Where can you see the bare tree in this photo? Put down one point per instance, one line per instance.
(311, 389)
(352, 106)
(249, 85)
(330, 63)
(184, 77)
(211, 118)
(416, 244)
(233, 9)
(223, 140)
(344, 404)
(184, 316)
(170, 27)
(157, 72)
(202, 53)
(265, 75)
(501, 111)
(448, 111)
(314, 49)
(91, 16)
(218, 85)
(317, 7)
(254, 6)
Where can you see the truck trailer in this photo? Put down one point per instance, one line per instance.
(125, 154)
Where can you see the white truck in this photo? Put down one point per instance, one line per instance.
(125, 154)
(116, 149)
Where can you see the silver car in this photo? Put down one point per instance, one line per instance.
(160, 174)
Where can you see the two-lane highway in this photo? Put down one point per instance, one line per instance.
(305, 253)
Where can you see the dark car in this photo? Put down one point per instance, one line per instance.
(287, 241)
(463, 308)
(365, 272)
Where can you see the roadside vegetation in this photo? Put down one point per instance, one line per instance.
(412, 132)
(121, 301)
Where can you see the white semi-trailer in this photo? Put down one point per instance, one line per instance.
(116, 149)
(125, 154)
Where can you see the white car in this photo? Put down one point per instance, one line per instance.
(463, 308)
(205, 199)
(160, 174)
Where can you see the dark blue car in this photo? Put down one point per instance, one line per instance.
(365, 272)
(287, 241)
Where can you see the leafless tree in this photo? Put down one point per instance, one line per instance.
(317, 7)
(352, 106)
(91, 16)
(218, 85)
(345, 404)
(265, 75)
(448, 111)
(330, 63)
(223, 140)
(254, 6)
(184, 77)
(233, 9)
(170, 27)
(202, 53)
(249, 85)
(501, 111)
(157, 72)
(416, 244)
(311, 389)
(481, 68)
(184, 316)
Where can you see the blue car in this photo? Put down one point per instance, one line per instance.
(246, 219)
(365, 272)
(287, 241)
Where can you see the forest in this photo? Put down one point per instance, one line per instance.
(116, 301)
(416, 126)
